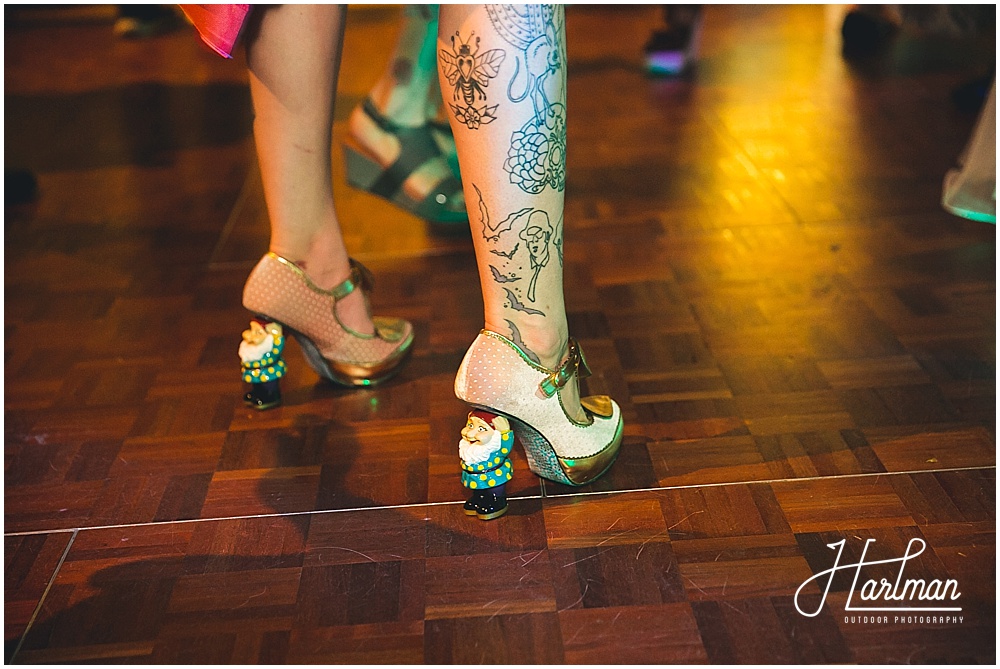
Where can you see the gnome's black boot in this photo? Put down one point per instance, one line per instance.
(263, 395)
(492, 503)
(471, 507)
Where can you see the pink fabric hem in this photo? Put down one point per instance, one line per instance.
(218, 25)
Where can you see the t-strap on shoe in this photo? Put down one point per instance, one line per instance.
(496, 376)
(282, 294)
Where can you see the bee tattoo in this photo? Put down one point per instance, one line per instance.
(470, 73)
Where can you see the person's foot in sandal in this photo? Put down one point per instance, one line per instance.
(403, 163)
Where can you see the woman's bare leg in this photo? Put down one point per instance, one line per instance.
(293, 52)
(503, 79)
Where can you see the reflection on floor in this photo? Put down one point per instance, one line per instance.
(757, 265)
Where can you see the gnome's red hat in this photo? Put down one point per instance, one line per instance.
(484, 416)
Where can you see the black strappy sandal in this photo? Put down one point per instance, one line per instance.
(417, 146)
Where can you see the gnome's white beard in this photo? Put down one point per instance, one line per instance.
(253, 352)
(474, 453)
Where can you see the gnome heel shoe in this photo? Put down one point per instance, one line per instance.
(499, 378)
(472, 503)
(282, 294)
(487, 504)
(492, 503)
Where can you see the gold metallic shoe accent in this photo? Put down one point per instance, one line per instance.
(389, 329)
(355, 374)
(574, 363)
(581, 471)
(599, 405)
(281, 291)
(498, 377)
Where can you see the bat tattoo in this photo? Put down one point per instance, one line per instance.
(492, 232)
(502, 278)
(516, 305)
(509, 254)
(515, 336)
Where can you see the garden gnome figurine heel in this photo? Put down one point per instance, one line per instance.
(485, 449)
(262, 363)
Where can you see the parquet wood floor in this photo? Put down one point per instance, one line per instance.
(801, 339)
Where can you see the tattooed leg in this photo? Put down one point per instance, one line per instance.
(401, 95)
(516, 230)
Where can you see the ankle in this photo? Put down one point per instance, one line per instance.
(551, 352)
(366, 130)
(323, 258)
(399, 104)
(549, 344)
(328, 272)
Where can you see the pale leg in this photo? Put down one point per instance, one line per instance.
(293, 53)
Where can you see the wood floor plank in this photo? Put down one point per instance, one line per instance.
(867, 501)
(487, 584)
(756, 262)
(508, 639)
(633, 635)
(602, 520)
(379, 643)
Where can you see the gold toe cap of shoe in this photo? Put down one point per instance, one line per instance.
(581, 471)
(358, 374)
(599, 405)
(390, 329)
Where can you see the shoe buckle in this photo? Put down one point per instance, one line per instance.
(575, 363)
(360, 276)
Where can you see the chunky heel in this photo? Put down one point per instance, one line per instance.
(497, 377)
(484, 452)
(262, 363)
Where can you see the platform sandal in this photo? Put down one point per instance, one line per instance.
(496, 376)
(286, 302)
(417, 146)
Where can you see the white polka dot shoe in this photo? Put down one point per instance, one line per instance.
(497, 376)
(279, 291)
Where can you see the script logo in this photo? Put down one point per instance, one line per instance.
(910, 595)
